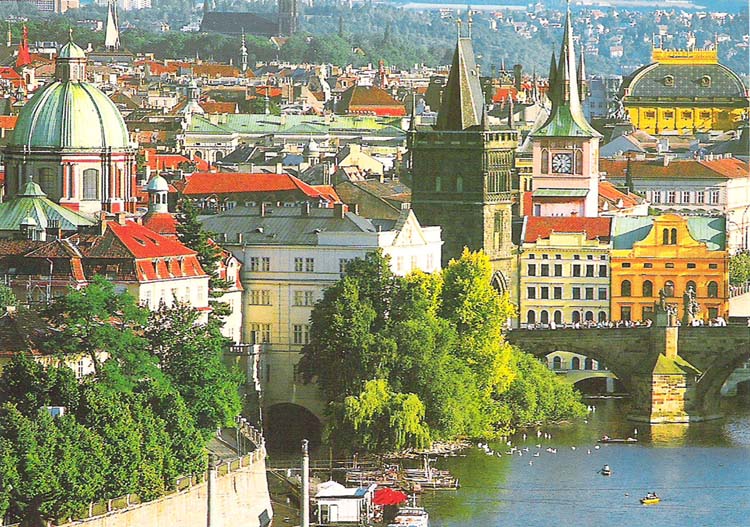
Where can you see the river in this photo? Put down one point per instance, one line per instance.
(701, 471)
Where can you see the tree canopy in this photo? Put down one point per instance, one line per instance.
(405, 360)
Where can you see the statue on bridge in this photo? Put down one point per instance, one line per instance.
(666, 314)
(691, 305)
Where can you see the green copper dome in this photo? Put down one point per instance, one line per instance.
(71, 50)
(70, 115)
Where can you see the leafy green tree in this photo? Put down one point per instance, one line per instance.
(190, 354)
(190, 232)
(739, 268)
(384, 420)
(7, 297)
(29, 385)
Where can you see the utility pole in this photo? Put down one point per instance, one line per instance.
(305, 505)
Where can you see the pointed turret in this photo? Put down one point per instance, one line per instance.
(566, 118)
(581, 76)
(112, 32)
(24, 56)
(552, 76)
(463, 99)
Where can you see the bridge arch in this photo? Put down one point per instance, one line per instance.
(287, 424)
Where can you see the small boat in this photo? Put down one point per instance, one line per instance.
(411, 516)
(650, 499)
(605, 471)
(607, 439)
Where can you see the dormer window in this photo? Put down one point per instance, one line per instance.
(668, 80)
(706, 81)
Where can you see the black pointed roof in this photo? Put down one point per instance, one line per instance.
(463, 100)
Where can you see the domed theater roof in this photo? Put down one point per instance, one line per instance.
(69, 113)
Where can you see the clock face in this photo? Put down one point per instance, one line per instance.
(562, 163)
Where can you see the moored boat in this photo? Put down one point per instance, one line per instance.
(607, 439)
(606, 470)
(411, 516)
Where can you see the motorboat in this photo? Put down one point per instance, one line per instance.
(650, 499)
(411, 516)
(607, 439)
(605, 470)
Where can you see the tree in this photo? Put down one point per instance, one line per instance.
(739, 268)
(191, 354)
(29, 385)
(98, 322)
(7, 297)
(190, 232)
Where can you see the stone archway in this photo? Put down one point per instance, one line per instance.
(500, 282)
(287, 424)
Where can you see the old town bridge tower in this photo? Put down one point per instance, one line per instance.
(462, 170)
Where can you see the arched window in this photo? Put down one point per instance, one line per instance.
(558, 317)
(648, 288)
(545, 161)
(531, 317)
(588, 364)
(91, 184)
(544, 317)
(459, 184)
(198, 154)
(438, 184)
(665, 237)
(669, 288)
(625, 288)
(602, 316)
(673, 237)
(48, 182)
(575, 364)
(578, 162)
(691, 284)
(713, 289)
(589, 316)
(219, 156)
(557, 363)
(576, 317)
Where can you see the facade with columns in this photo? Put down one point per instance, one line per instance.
(71, 139)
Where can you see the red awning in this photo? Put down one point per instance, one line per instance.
(388, 496)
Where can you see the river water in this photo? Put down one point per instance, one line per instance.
(701, 472)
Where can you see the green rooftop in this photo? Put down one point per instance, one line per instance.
(33, 204)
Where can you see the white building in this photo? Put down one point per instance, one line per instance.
(289, 256)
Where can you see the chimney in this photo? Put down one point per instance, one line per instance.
(262, 208)
(339, 210)
(306, 208)
(666, 160)
(121, 218)
(239, 238)
(356, 209)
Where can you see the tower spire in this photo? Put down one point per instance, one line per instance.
(112, 32)
(581, 77)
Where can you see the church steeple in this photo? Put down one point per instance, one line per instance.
(112, 32)
(581, 76)
(463, 100)
(566, 118)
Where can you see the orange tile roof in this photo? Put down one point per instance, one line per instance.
(142, 242)
(207, 183)
(608, 191)
(537, 227)
(8, 122)
(218, 107)
(161, 223)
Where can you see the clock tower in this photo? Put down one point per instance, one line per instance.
(462, 170)
(565, 148)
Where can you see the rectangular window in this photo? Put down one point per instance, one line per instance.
(589, 293)
(265, 264)
(602, 293)
(254, 263)
(531, 293)
(262, 332)
(576, 256)
(558, 269)
(343, 262)
(626, 265)
(576, 270)
(532, 270)
(399, 264)
(671, 196)
(301, 334)
(576, 293)
(713, 266)
(704, 115)
(303, 298)
(700, 197)
(558, 257)
(298, 265)
(532, 256)
(545, 257)
(713, 197)
(557, 293)
(309, 265)
(685, 197)
(544, 293)
(691, 266)
(602, 271)
(545, 269)
(589, 256)
(589, 271)
(625, 313)
(669, 265)
(260, 297)
(648, 265)
(656, 196)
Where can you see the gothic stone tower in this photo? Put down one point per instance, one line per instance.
(462, 170)
(288, 17)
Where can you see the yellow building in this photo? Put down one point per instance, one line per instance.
(685, 91)
(564, 271)
(670, 253)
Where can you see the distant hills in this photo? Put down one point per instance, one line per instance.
(708, 5)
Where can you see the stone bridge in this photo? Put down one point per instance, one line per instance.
(673, 374)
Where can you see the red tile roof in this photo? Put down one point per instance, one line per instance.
(218, 107)
(8, 122)
(727, 168)
(208, 183)
(370, 100)
(542, 226)
(161, 223)
(165, 161)
(141, 242)
(329, 192)
(609, 192)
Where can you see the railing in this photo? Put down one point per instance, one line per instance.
(737, 290)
